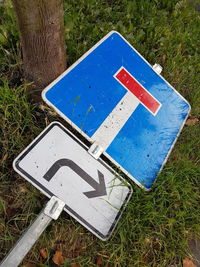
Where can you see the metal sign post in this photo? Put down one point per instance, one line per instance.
(51, 212)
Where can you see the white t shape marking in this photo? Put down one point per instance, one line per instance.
(135, 95)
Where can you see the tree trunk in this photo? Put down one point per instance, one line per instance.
(41, 26)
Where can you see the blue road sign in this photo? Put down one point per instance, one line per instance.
(113, 96)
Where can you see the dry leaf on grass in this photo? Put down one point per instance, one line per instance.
(23, 189)
(188, 263)
(44, 253)
(99, 261)
(75, 265)
(28, 264)
(11, 212)
(4, 158)
(191, 121)
(58, 258)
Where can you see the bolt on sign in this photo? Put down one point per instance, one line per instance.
(58, 164)
(126, 109)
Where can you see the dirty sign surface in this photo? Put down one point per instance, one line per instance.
(114, 98)
(58, 164)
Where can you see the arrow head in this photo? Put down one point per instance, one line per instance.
(100, 188)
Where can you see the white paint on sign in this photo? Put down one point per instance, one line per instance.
(111, 126)
(115, 120)
(58, 164)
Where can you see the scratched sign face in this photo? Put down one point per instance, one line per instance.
(114, 98)
(58, 164)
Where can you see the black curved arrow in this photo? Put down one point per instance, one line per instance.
(100, 188)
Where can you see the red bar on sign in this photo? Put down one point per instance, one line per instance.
(127, 80)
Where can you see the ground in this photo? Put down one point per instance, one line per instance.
(156, 226)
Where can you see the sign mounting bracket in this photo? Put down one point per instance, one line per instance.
(96, 150)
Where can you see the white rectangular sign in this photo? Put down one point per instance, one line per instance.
(57, 163)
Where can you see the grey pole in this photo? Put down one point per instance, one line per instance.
(51, 211)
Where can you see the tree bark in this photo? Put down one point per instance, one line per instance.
(41, 26)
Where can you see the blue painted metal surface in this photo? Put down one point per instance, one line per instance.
(87, 94)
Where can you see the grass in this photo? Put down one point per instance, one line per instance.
(156, 226)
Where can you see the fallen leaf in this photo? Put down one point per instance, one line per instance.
(75, 265)
(58, 258)
(42, 107)
(28, 264)
(4, 158)
(191, 121)
(23, 189)
(11, 212)
(188, 263)
(164, 58)
(99, 261)
(44, 253)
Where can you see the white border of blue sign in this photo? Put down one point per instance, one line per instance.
(87, 137)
